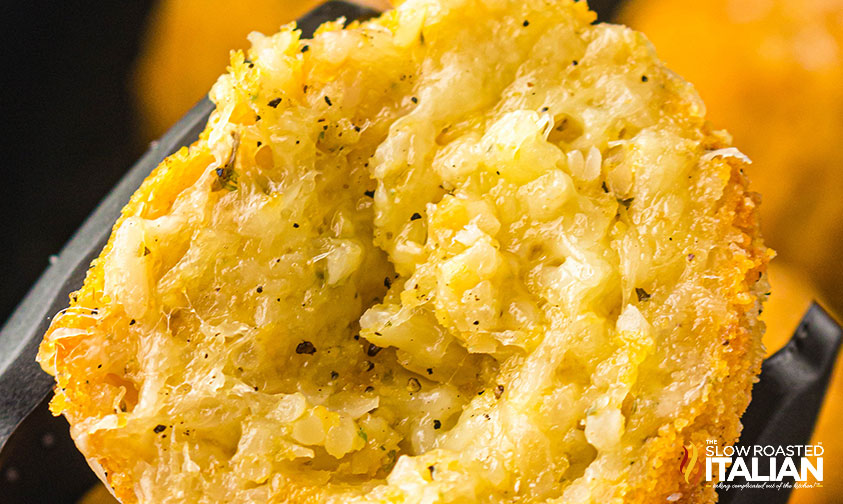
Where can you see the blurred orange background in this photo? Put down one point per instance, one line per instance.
(769, 71)
(187, 46)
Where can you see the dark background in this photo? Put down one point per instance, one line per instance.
(67, 126)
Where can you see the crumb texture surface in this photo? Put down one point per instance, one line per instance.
(465, 252)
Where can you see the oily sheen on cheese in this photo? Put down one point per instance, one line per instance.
(470, 251)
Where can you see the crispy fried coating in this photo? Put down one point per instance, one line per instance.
(466, 252)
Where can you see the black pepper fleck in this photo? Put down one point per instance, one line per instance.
(437, 424)
(373, 350)
(644, 78)
(159, 429)
(305, 48)
(328, 101)
(370, 194)
(305, 347)
(259, 289)
(274, 103)
(415, 216)
(626, 202)
(132, 322)
(525, 23)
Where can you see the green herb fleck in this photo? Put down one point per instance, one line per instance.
(642, 294)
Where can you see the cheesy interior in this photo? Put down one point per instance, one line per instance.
(468, 251)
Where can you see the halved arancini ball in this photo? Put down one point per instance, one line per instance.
(470, 251)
